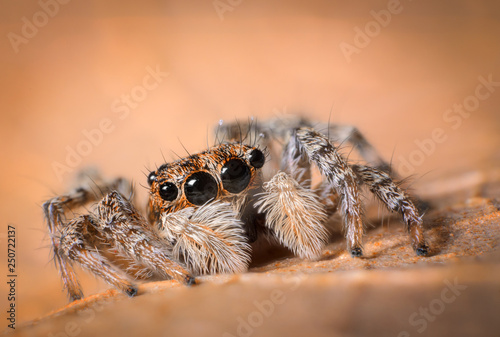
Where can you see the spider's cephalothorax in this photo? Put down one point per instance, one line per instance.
(220, 173)
(205, 210)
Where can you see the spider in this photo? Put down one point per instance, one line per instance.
(206, 210)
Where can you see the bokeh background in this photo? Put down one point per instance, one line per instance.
(228, 60)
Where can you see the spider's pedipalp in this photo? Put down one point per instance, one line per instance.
(395, 199)
(340, 175)
(294, 215)
(209, 239)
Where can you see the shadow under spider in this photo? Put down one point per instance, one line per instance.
(436, 228)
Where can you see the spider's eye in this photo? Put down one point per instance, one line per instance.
(151, 178)
(257, 158)
(200, 187)
(235, 175)
(168, 191)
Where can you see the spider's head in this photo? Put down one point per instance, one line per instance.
(224, 171)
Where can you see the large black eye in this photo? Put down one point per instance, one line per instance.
(257, 158)
(235, 175)
(168, 191)
(200, 187)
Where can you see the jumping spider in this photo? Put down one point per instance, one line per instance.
(205, 210)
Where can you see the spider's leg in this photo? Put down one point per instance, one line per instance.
(78, 243)
(369, 153)
(351, 134)
(381, 184)
(296, 163)
(294, 215)
(86, 192)
(209, 239)
(129, 233)
(54, 211)
(55, 208)
(328, 197)
(339, 174)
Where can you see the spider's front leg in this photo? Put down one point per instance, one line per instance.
(131, 235)
(115, 227)
(79, 243)
(306, 146)
(55, 215)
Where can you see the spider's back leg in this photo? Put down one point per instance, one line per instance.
(351, 134)
(381, 184)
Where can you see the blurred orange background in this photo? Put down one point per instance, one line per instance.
(69, 74)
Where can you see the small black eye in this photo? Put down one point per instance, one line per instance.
(200, 187)
(257, 158)
(235, 175)
(151, 178)
(168, 191)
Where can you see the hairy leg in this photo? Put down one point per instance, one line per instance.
(351, 134)
(78, 243)
(115, 226)
(55, 215)
(395, 199)
(340, 176)
(128, 231)
(328, 197)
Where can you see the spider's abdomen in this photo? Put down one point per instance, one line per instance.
(221, 172)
